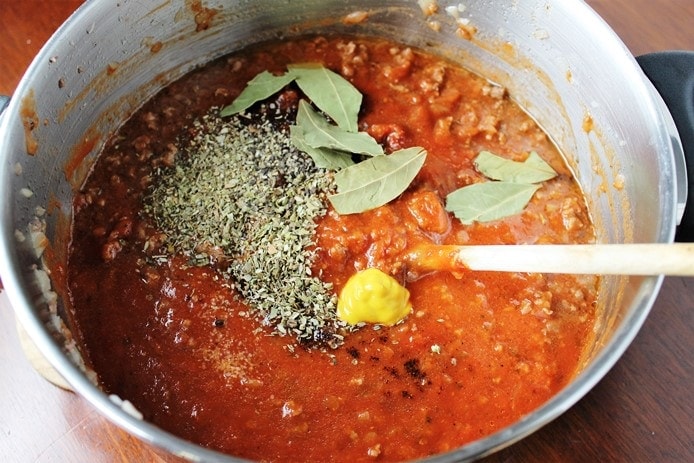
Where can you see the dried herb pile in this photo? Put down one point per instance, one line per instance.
(241, 188)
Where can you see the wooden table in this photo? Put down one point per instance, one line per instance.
(642, 411)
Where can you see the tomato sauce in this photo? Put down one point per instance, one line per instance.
(479, 351)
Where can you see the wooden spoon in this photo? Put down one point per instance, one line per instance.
(597, 259)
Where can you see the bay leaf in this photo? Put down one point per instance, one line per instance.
(376, 181)
(330, 92)
(262, 86)
(318, 132)
(533, 170)
(322, 157)
(487, 201)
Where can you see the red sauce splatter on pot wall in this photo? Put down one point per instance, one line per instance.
(203, 16)
(30, 121)
(80, 153)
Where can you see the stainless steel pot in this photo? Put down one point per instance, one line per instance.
(558, 59)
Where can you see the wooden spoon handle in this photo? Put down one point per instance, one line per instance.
(597, 259)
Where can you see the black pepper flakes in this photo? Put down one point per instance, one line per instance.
(412, 368)
(353, 352)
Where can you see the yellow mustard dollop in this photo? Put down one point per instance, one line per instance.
(371, 296)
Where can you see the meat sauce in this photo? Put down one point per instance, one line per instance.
(479, 350)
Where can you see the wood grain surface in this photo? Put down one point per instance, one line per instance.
(642, 411)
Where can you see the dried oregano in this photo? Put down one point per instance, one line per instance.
(242, 188)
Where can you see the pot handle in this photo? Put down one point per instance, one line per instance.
(672, 74)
